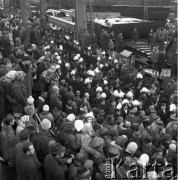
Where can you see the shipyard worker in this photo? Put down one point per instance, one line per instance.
(135, 36)
(119, 42)
(104, 40)
(26, 34)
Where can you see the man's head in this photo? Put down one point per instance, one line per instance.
(29, 24)
(57, 150)
(26, 59)
(9, 120)
(55, 89)
(28, 148)
(7, 63)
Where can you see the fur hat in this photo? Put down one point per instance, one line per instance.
(97, 142)
(29, 110)
(132, 147)
(100, 119)
(146, 123)
(121, 94)
(144, 89)
(144, 159)
(119, 106)
(137, 135)
(90, 114)
(99, 89)
(71, 117)
(11, 75)
(167, 137)
(130, 94)
(46, 124)
(30, 100)
(127, 162)
(152, 175)
(56, 148)
(114, 150)
(45, 107)
(172, 147)
(139, 76)
(83, 172)
(120, 141)
(88, 129)
(80, 157)
(112, 132)
(103, 96)
(78, 125)
(159, 122)
(136, 102)
(88, 164)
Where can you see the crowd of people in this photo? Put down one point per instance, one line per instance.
(73, 113)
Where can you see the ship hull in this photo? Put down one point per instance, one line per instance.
(127, 29)
(154, 13)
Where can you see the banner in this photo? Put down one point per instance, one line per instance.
(25, 7)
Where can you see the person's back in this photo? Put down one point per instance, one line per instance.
(53, 169)
(26, 164)
(25, 168)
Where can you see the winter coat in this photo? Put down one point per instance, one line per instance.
(26, 168)
(69, 96)
(3, 109)
(46, 115)
(39, 103)
(41, 68)
(18, 92)
(162, 115)
(53, 169)
(150, 150)
(7, 144)
(72, 171)
(14, 59)
(132, 119)
(71, 142)
(28, 78)
(144, 132)
(42, 141)
(19, 148)
(54, 102)
(36, 36)
(26, 37)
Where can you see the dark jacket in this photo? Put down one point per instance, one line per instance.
(2, 101)
(19, 94)
(70, 142)
(26, 36)
(42, 141)
(28, 78)
(26, 168)
(36, 36)
(7, 144)
(53, 169)
(162, 115)
(54, 102)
